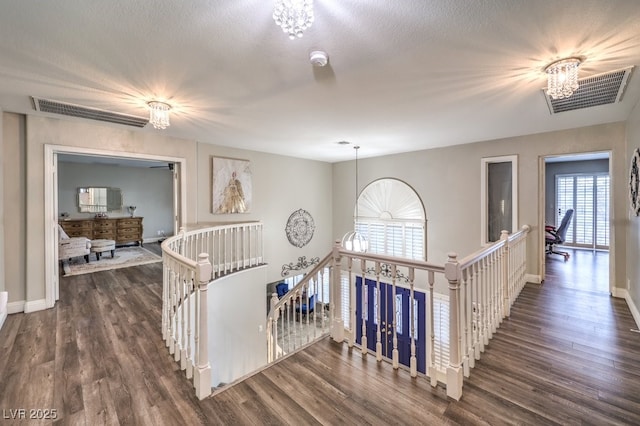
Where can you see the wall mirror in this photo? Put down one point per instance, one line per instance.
(99, 199)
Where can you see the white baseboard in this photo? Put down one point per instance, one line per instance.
(153, 239)
(35, 305)
(530, 278)
(15, 307)
(3, 307)
(624, 294)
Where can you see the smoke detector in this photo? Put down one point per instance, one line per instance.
(318, 58)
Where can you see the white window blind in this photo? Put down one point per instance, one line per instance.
(588, 195)
(393, 238)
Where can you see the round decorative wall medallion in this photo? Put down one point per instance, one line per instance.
(300, 228)
(634, 182)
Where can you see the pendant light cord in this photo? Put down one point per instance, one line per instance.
(356, 219)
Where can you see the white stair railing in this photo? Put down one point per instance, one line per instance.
(481, 289)
(300, 316)
(191, 260)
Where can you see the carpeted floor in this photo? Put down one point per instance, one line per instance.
(124, 257)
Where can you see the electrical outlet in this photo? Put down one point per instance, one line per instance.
(161, 233)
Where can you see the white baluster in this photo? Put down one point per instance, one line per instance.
(365, 308)
(180, 354)
(189, 353)
(352, 303)
(466, 321)
(335, 309)
(433, 373)
(413, 363)
(202, 378)
(378, 314)
(454, 372)
(395, 354)
(173, 321)
(165, 297)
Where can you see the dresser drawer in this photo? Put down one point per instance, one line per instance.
(129, 222)
(128, 232)
(104, 224)
(78, 228)
(129, 229)
(104, 234)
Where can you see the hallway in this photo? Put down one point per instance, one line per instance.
(564, 356)
(586, 270)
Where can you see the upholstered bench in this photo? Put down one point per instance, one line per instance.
(100, 246)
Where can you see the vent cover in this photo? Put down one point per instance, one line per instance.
(599, 89)
(55, 107)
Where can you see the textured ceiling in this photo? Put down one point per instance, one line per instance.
(402, 76)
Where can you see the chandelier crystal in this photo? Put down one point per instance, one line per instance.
(159, 114)
(293, 16)
(562, 78)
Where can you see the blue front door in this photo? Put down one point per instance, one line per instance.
(375, 307)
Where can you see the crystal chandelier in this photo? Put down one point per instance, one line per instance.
(562, 78)
(159, 114)
(293, 16)
(353, 240)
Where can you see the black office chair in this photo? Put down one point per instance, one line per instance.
(555, 236)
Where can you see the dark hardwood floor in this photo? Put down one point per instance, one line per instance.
(565, 356)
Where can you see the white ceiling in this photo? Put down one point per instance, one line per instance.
(402, 76)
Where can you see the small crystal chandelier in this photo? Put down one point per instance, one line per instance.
(562, 78)
(293, 16)
(159, 114)
(353, 240)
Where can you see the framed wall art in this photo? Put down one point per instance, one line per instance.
(231, 185)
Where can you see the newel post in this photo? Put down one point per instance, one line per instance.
(181, 242)
(506, 285)
(202, 377)
(335, 308)
(454, 370)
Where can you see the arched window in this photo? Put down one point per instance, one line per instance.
(392, 218)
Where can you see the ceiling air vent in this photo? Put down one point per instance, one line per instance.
(599, 89)
(55, 107)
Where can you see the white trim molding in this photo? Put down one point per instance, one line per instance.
(27, 307)
(35, 305)
(15, 307)
(531, 278)
(624, 294)
(3, 307)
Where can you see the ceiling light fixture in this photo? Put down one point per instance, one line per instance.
(562, 77)
(159, 114)
(293, 16)
(353, 240)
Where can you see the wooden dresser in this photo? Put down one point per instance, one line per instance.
(121, 229)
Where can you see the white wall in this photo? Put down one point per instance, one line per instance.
(237, 317)
(448, 182)
(14, 208)
(281, 185)
(630, 221)
(150, 190)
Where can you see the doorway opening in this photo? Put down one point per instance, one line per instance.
(52, 213)
(579, 182)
